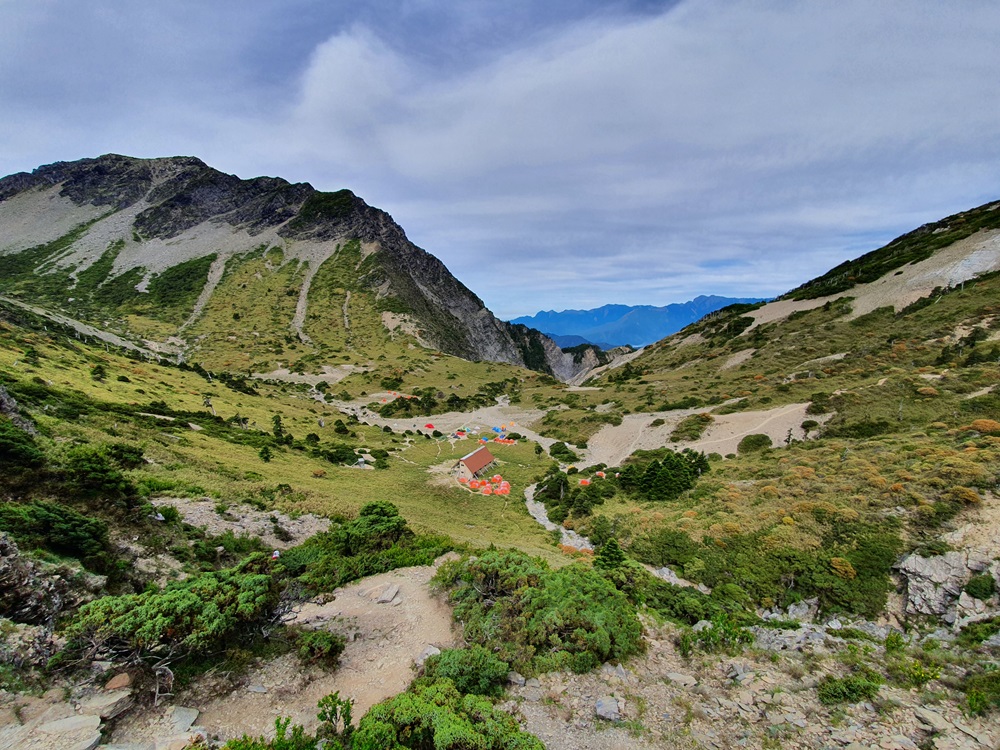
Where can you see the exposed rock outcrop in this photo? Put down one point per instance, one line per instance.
(27, 594)
(934, 585)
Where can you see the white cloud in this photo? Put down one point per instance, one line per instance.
(614, 159)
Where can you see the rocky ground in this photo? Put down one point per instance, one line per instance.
(763, 698)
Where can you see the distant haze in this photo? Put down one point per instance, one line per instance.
(619, 325)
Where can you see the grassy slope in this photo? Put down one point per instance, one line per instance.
(196, 463)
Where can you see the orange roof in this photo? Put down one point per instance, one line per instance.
(477, 460)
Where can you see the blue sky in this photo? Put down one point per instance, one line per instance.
(554, 155)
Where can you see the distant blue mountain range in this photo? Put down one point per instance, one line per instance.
(617, 325)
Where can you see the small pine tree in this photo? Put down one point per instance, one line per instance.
(610, 555)
(265, 454)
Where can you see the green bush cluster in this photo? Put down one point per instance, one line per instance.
(58, 528)
(564, 496)
(438, 716)
(724, 634)
(560, 452)
(662, 474)
(320, 646)
(691, 427)
(862, 685)
(378, 540)
(538, 619)
(473, 670)
(18, 449)
(981, 586)
(427, 401)
(754, 443)
(784, 575)
(982, 690)
(197, 615)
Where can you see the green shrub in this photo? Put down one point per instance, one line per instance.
(196, 615)
(91, 472)
(753, 443)
(284, 739)
(691, 427)
(894, 642)
(18, 449)
(560, 452)
(539, 619)
(438, 716)
(473, 670)
(58, 528)
(912, 673)
(983, 690)
(976, 632)
(320, 646)
(724, 635)
(981, 586)
(854, 688)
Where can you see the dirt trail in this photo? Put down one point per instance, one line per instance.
(377, 664)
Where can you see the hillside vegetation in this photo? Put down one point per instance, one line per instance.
(890, 467)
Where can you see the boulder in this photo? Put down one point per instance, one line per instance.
(182, 718)
(426, 654)
(119, 681)
(679, 678)
(932, 719)
(607, 708)
(388, 594)
(804, 611)
(108, 705)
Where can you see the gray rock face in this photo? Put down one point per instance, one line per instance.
(27, 594)
(804, 611)
(933, 585)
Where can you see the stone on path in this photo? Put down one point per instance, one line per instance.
(427, 653)
(108, 705)
(684, 680)
(607, 708)
(932, 719)
(71, 724)
(389, 594)
(182, 718)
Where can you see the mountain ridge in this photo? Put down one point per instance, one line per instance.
(128, 222)
(628, 325)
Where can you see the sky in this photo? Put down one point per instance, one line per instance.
(557, 155)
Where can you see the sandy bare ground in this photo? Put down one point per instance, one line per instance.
(375, 665)
(954, 265)
(330, 374)
(613, 444)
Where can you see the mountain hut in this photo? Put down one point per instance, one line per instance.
(474, 464)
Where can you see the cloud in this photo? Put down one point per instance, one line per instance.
(626, 152)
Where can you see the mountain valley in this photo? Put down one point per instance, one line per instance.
(230, 417)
